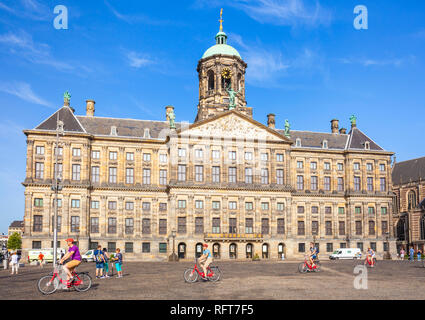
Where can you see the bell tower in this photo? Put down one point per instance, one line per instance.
(221, 73)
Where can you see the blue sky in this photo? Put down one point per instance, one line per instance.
(306, 63)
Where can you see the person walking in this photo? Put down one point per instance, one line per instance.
(106, 263)
(402, 253)
(412, 254)
(419, 254)
(14, 262)
(41, 259)
(118, 262)
(100, 260)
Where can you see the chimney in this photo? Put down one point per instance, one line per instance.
(343, 131)
(271, 121)
(334, 125)
(90, 108)
(167, 110)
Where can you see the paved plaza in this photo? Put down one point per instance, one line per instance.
(240, 280)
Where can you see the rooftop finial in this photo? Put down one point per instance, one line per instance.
(221, 19)
(66, 98)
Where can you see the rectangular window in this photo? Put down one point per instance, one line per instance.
(39, 150)
(37, 223)
(232, 225)
(38, 202)
(163, 158)
(279, 157)
(264, 206)
(340, 167)
(232, 205)
(75, 203)
(371, 228)
(329, 247)
(301, 247)
(58, 170)
(112, 175)
(95, 154)
(112, 205)
(371, 210)
(199, 204)
(249, 206)
(216, 225)
(128, 247)
(181, 225)
(181, 173)
(232, 155)
(265, 228)
(373, 246)
(300, 183)
(112, 246)
(162, 177)
(129, 156)
(216, 154)
(199, 153)
(112, 225)
(146, 206)
(146, 247)
(369, 167)
(216, 205)
(95, 174)
(199, 173)
(280, 226)
(383, 210)
(94, 204)
(36, 244)
(328, 228)
(75, 224)
(382, 167)
(314, 183)
(383, 184)
(342, 228)
(182, 152)
(248, 156)
(356, 183)
(163, 206)
(129, 176)
(147, 157)
(162, 226)
(94, 225)
(328, 210)
(264, 157)
(58, 151)
(76, 152)
(369, 184)
(39, 170)
(59, 202)
(249, 225)
(314, 209)
(356, 166)
(280, 206)
(129, 226)
(327, 166)
(279, 176)
(232, 175)
(327, 183)
(313, 165)
(113, 155)
(300, 164)
(146, 176)
(248, 175)
(358, 210)
(341, 210)
(146, 226)
(300, 210)
(129, 206)
(181, 204)
(315, 228)
(265, 176)
(162, 247)
(359, 228)
(384, 227)
(216, 174)
(199, 225)
(340, 184)
(301, 228)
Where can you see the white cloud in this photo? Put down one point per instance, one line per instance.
(137, 60)
(23, 91)
(367, 62)
(29, 9)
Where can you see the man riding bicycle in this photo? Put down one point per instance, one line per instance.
(74, 254)
(313, 254)
(206, 259)
(370, 256)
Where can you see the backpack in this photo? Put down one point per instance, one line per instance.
(99, 257)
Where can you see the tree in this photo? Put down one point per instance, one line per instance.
(14, 242)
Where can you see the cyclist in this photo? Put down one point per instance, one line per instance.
(74, 254)
(370, 255)
(206, 259)
(313, 254)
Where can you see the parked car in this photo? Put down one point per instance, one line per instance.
(88, 256)
(48, 254)
(346, 253)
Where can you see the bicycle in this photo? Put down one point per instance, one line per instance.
(305, 266)
(368, 263)
(81, 281)
(191, 275)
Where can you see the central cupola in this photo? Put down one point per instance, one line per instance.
(221, 73)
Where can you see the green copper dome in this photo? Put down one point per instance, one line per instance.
(221, 47)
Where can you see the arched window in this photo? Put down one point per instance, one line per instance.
(298, 142)
(225, 83)
(423, 227)
(411, 200)
(367, 145)
(211, 80)
(325, 144)
(239, 81)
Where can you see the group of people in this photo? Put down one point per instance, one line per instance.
(102, 259)
(411, 254)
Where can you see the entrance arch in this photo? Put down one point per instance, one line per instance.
(233, 251)
(265, 250)
(281, 251)
(216, 250)
(182, 250)
(249, 249)
(198, 250)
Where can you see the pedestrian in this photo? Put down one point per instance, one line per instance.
(118, 262)
(62, 254)
(100, 259)
(14, 262)
(41, 259)
(419, 254)
(106, 263)
(402, 253)
(412, 254)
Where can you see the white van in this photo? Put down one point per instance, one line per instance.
(48, 254)
(346, 253)
(88, 256)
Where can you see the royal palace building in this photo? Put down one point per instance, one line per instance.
(243, 187)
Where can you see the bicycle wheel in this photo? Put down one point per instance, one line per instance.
(302, 268)
(216, 274)
(318, 267)
(190, 275)
(82, 282)
(46, 285)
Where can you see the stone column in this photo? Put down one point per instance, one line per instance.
(30, 159)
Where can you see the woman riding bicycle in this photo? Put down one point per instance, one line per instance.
(206, 259)
(74, 254)
(370, 257)
(313, 254)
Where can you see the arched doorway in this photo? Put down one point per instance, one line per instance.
(281, 251)
(216, 250)
(182, 250)
(422, 227)
(232, 251)
(265, 250)
(198, 250)
(249, 249)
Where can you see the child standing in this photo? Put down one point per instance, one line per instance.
(106, 263)
(14, 263)
(118, 262)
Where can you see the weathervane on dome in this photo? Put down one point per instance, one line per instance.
(66, 98)
(221, 19)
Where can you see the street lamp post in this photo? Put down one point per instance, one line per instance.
(56, 187)
(173, 256)
(387, 254)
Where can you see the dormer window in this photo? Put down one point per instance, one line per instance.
(114, 131)
(325, 144)
(367, 145)
(147, 134)
(298, 142)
